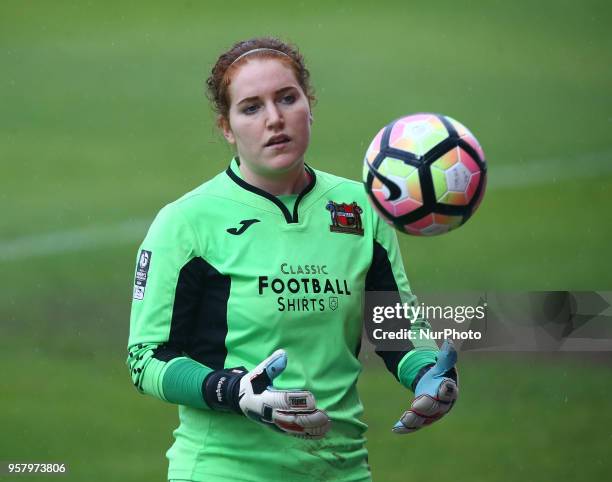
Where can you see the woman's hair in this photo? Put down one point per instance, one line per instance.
(267, 47)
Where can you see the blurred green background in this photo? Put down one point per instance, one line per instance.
(103, 120)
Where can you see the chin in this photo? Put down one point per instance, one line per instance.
(283, 162)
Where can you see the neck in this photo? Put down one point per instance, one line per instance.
(278, 184)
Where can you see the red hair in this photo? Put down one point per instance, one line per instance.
(227, 63)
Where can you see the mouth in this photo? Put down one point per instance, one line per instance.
(277, 140)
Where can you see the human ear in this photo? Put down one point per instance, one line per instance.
(224, 125)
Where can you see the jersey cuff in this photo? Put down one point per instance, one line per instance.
(182, 382)
(412, 362)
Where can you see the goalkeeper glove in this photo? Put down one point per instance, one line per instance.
(435, 390)
(252, 394)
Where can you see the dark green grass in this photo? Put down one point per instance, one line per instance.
(517, 419)
(103, 120)
(81, 409)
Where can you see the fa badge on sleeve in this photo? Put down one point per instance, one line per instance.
(142, 271)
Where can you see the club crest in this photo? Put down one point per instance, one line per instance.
(345, 218)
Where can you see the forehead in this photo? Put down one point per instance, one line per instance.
(258, 77)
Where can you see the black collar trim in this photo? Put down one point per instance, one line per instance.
(291, 219)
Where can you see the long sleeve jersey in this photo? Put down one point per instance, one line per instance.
(226, 275)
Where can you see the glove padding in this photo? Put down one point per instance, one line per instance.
(435, 393)
(288, 411)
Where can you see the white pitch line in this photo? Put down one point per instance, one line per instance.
(544, 172)
(73, 240)
(550, 171)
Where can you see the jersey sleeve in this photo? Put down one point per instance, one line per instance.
(387, 273)
(159, 331)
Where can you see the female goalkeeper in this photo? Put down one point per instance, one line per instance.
(248, 297)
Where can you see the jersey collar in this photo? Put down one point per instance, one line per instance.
(291, 218)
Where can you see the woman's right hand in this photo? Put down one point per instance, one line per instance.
(289, 411)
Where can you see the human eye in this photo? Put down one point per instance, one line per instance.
(288, 99)
(250, 109)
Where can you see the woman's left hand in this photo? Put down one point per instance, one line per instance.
(435, 393)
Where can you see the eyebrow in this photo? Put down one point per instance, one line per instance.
(255, 97)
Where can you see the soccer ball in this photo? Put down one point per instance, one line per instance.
(425, 174)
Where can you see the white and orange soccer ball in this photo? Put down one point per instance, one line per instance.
(425, 174)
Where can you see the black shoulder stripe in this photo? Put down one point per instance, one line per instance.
(380, 278)
(380, 275)
(199, 315)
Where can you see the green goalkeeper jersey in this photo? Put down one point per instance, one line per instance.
(226, 275)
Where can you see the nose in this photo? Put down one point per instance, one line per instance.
(274, 118)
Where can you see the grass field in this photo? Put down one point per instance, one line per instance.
(529, 418)
(103, 120)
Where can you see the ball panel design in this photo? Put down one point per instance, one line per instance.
(406, 206)
(433, 224)
(406, 178)
(468, 161)
(465, 134)
(417, 134)
(376, 185)
(455, 178)
(381, 196)
(458, 177)
(422, 223)
(473, 143)
(385, 216)
(434, 229)
(439, 181)
(459, 127)
(395, 167)
(414, 187)
(405, 144)
(454, 199)
(472, 186)
(397, 139)
(408, 230)
(482, 191)
(447, 160)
